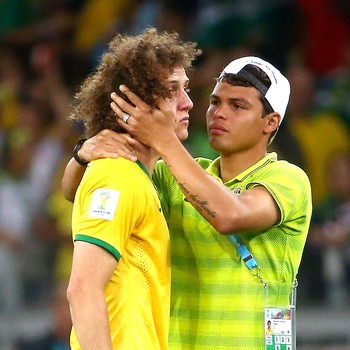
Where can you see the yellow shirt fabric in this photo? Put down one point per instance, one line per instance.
(117, 208)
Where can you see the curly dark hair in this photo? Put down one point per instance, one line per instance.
(142, 63)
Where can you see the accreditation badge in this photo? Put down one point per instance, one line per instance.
(279, 328)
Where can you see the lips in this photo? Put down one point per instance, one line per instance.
(185, 120)
(216, 129)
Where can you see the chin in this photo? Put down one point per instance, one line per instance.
(214, 145)
(182, 135)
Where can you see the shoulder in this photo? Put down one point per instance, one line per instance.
(290, 187)
(271, 169)
(117, 172)
(284, 170)
(283, 179)
(112, 167)
(111, 163)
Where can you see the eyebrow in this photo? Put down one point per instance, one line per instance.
(233, 99)
(177, 82)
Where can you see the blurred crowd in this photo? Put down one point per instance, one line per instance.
(47, 47)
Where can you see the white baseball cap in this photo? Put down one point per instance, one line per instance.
(277, 94)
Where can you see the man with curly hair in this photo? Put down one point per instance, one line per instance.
(119, 288)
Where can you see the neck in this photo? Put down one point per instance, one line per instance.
(148, 157)
(234, 164)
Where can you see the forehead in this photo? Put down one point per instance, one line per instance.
(224, 89)
(177, 75)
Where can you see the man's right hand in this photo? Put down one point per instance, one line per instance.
(108, 144)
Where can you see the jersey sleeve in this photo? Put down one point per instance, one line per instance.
(291, 189)
(108, 205)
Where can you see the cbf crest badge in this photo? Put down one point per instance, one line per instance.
(237, 191)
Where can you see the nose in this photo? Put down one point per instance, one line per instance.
(218, 112)
(185, 101)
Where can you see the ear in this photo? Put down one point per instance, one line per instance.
(272, 122)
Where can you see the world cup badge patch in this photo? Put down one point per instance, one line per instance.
(103, 204)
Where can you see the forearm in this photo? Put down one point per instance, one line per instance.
(71, 179)
(254, 209)
(90, 321)
(210, 197)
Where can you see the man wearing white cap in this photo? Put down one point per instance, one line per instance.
(238, 224)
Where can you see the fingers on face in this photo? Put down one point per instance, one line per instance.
(123, 110)
(135, 100)
(117, 111)
(115, 105)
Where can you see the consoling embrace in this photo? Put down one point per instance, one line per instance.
(217, 300)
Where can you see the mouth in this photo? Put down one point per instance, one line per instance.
(185, 121)
(216, 129)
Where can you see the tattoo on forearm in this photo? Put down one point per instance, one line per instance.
(201, 205)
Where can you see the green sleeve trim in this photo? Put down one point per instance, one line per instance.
(99, 242)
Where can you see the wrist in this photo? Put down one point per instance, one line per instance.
(168, 145)
(76, 149)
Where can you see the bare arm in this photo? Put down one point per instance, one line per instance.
(106, 144)
(252, 210)
(86, 295)
(71, 179)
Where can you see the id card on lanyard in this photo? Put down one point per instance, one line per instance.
(279, 329)
(279, 320)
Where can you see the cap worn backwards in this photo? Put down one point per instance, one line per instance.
(277, 93)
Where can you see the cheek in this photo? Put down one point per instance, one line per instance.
(210, 110)
(208, 116)
(211, 114)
